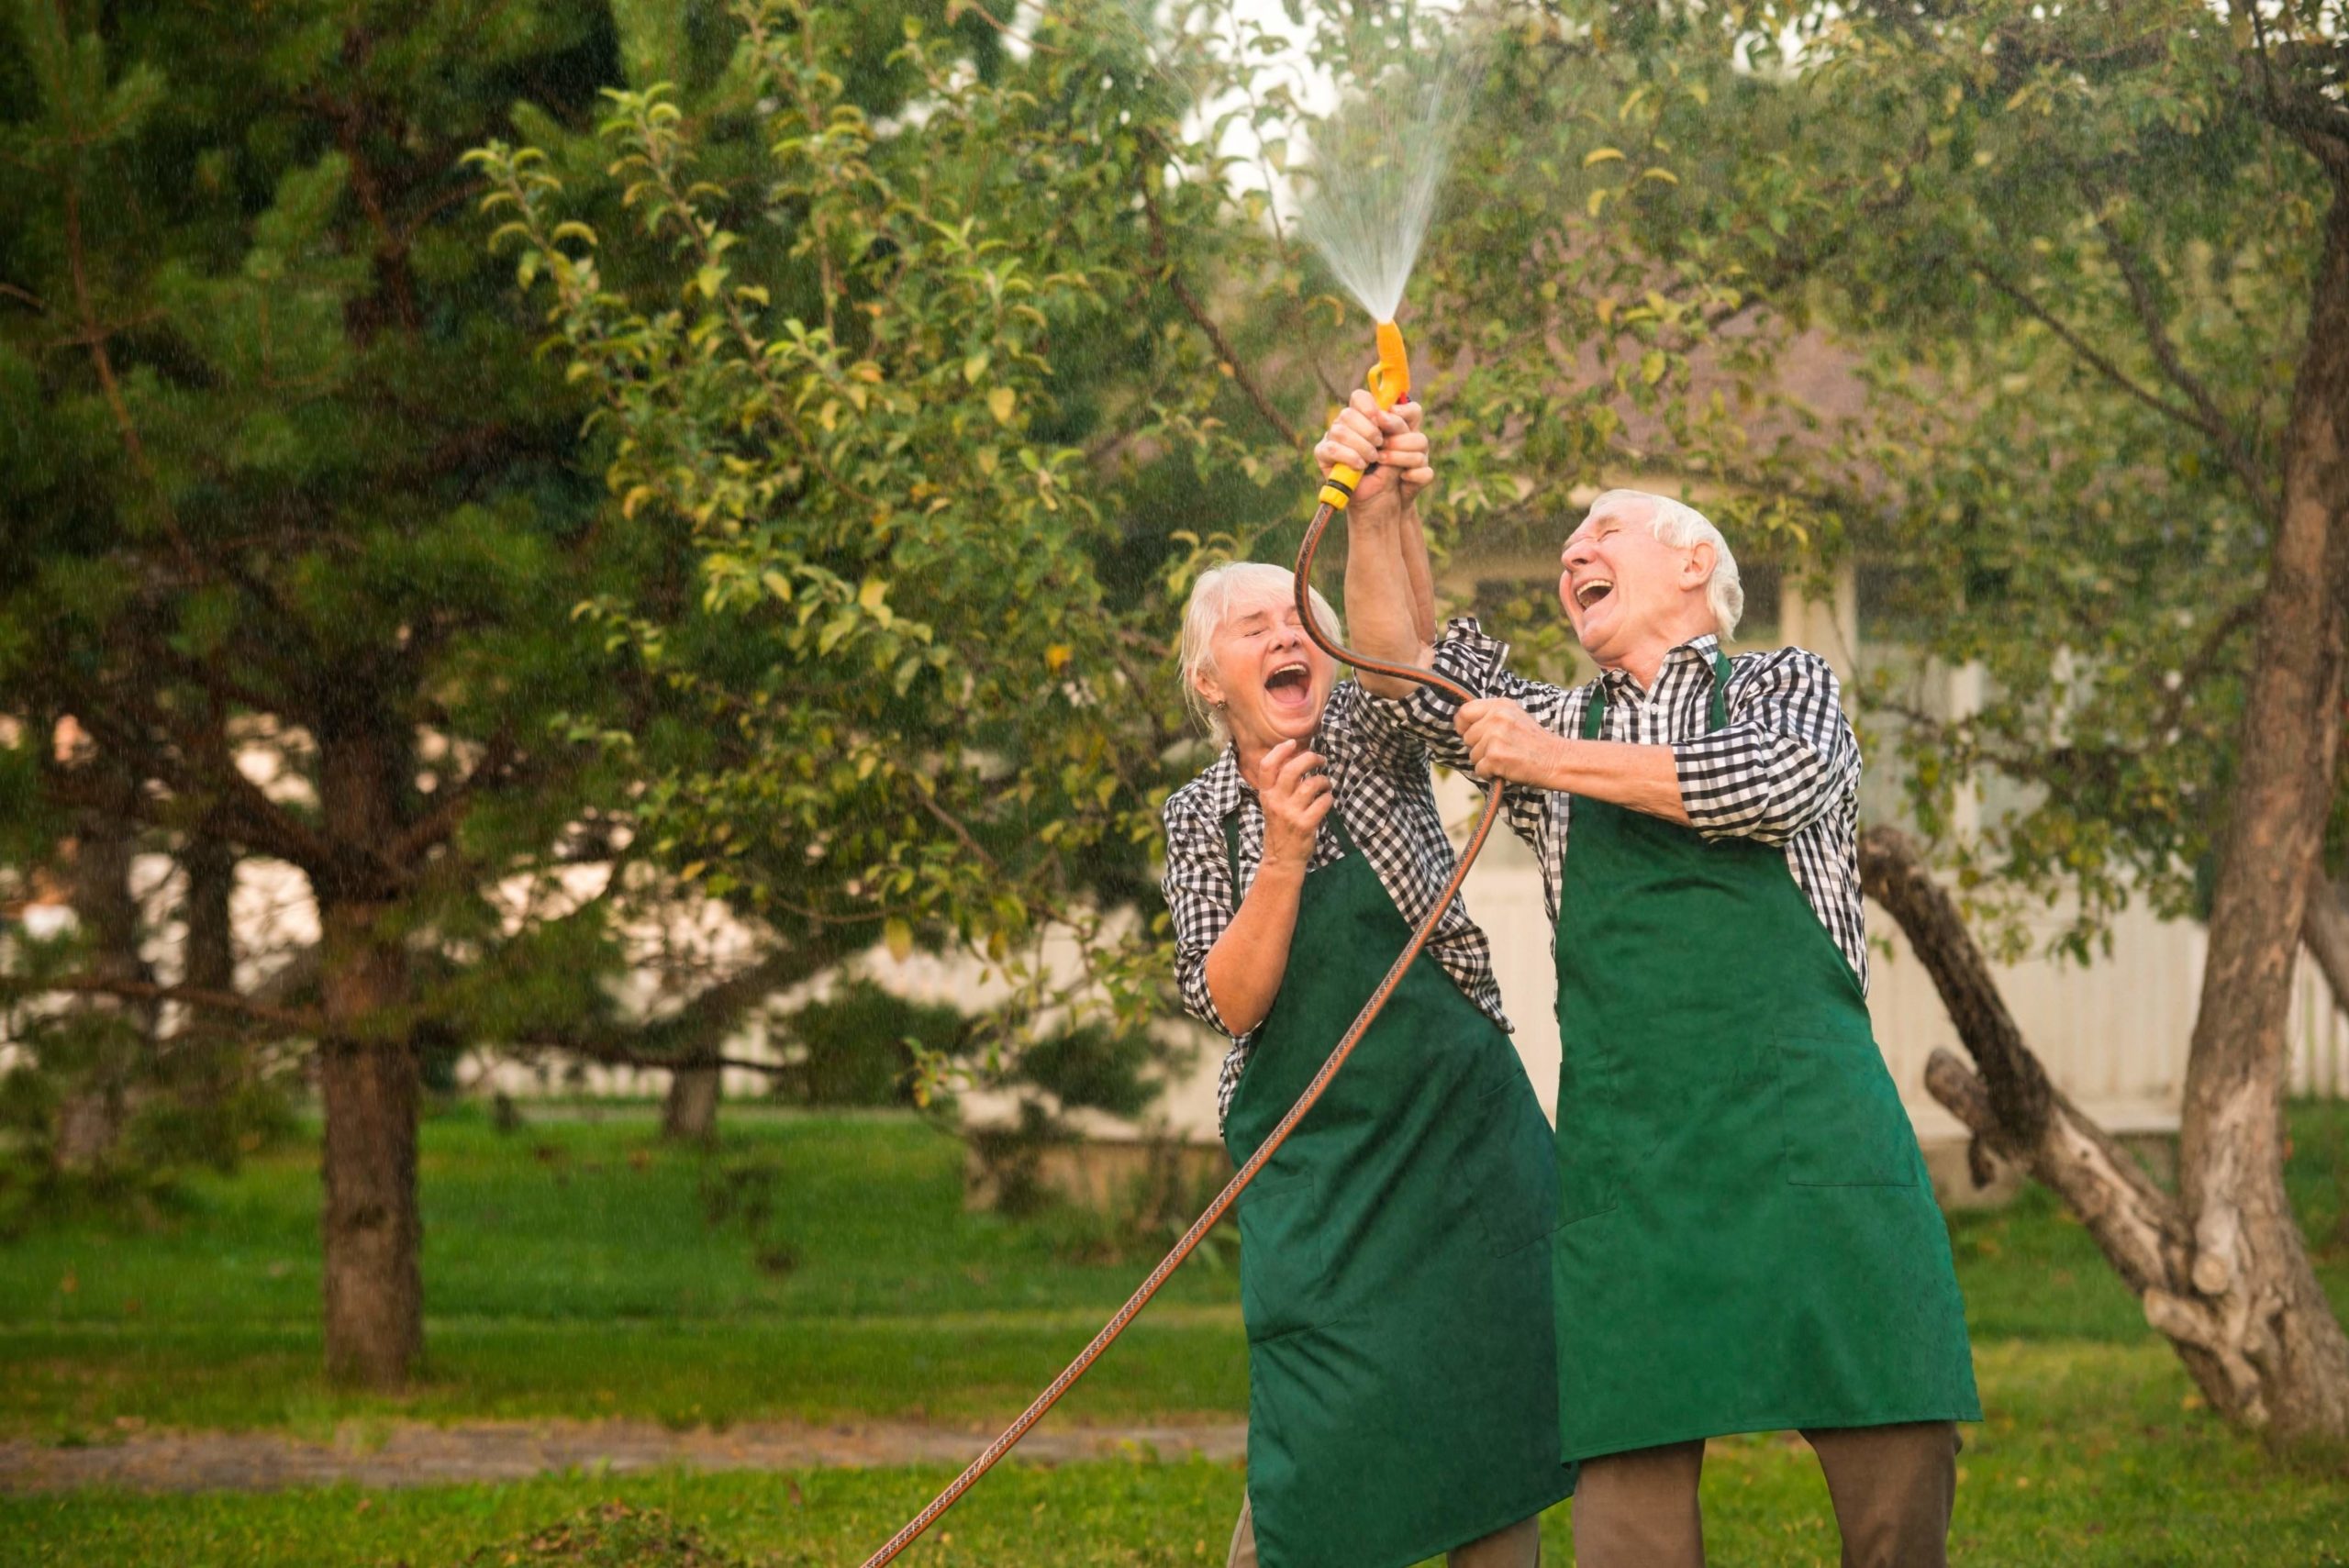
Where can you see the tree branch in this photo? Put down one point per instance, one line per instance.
(2078, 345)
(2212, 422)
(437, 826)
(1893, 874)
(1225, 354)
(293, 1022)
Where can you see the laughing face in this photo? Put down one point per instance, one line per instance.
(1624, 589)
(1271, 681)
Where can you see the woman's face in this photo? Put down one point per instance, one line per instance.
(1272, 681)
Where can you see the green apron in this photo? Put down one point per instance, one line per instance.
(1393, 1266)
(1747, 1238)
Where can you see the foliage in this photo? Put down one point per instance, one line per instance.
(191, 1102)
(862, 1046)
(2076, 250)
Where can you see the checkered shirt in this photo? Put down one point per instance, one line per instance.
(1785, 770)
(1379, 773)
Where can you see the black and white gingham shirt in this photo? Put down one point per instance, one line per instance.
(1379, 773)
(1785, 770)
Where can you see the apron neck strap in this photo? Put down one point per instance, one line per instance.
(1593, 712)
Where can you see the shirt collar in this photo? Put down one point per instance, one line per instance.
(1224, 786)
(1699, 649)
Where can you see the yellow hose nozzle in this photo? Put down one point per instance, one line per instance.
(1389, 383)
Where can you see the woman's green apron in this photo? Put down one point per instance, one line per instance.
(1393, 1268)
(1747, 1238)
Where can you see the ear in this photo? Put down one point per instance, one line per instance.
(1208, 686)
(1698, 566)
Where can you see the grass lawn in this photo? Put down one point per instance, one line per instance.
(2091, 1459)
(823, 1268)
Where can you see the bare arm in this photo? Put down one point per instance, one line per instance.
(1390, 595)
(1507, 742)
(1245, 966)
(1417, 573)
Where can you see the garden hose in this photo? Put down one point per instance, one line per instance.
(1389, 383)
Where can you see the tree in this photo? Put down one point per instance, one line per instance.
(283, 459)
(884, 385)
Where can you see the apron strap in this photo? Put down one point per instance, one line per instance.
(1593, 712)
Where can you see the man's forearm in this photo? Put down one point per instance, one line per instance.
(1380, 595)
(1417, 573)
(1645, 778)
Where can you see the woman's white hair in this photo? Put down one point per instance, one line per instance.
(1204, 617)
(1679, 525)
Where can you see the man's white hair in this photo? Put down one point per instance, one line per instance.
(1204, 617)
(1679, 525)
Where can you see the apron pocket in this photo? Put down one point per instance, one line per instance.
(1280, 1257)
(1590, 1178)
(1509, 1166)
(1842, 1119)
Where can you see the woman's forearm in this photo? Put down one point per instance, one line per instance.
(1245, 966)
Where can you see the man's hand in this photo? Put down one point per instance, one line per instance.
(1365, 436)
(1295, 802)
(1504, 742)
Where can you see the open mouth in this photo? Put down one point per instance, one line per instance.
(1590, 592)
(1290, 683)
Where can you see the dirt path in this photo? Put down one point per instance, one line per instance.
(416, 1454)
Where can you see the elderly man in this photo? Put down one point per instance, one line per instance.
(1747, 1241)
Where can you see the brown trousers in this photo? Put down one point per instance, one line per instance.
(1518, 1546)
(1892, 1488)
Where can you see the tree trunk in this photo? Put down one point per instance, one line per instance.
(90, 1113)
(367, 1080)
(2260, 1332)
(211, 869)
(2132, 1221)
(2223, 1270)
(205, 1049)
(2324, 930)
(689, 1113)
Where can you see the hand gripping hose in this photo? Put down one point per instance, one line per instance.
(1389, 384)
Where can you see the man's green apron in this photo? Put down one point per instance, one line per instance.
(1393, 1269)
(1747, 1238)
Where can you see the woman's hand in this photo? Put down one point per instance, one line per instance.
(1387, 443)
(1296, 797)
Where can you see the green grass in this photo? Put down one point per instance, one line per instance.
(573, 1268)
(2091, 1459)
(2031, 1272)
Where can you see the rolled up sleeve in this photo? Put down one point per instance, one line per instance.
(1476, 660)
(1785, 758)
(1201, 900)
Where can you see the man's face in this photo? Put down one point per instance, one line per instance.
(1623, 587)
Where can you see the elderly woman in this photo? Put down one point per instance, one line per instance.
(1393, 1266)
